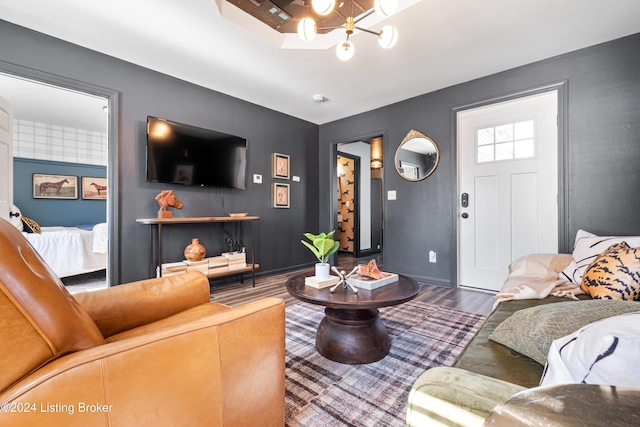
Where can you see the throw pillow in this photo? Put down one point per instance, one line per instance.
(604, 352)
(587, 248)
(30, 226)
(615, 274)
(531, 331)
(15, 217)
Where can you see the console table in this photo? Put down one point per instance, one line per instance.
(156, 237)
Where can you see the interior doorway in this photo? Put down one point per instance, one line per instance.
(23, 87)
(359, 192)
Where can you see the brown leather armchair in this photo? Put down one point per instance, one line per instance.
(154, 352)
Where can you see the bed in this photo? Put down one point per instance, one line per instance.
(70, 251)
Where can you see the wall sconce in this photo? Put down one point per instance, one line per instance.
(376, 164)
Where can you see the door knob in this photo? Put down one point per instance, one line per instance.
(465, 215)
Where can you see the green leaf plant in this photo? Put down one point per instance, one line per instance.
(322, 245)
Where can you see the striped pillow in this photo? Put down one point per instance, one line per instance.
(587, 248)
(615, 274)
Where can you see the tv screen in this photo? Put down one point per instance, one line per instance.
(178, 153)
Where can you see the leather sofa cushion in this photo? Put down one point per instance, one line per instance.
(40, 320)
(489, 358)
(531, 331)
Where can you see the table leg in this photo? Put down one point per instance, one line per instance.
(352, 336)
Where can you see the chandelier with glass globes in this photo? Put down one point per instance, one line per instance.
(387, 36)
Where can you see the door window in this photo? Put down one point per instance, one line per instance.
(508, 141)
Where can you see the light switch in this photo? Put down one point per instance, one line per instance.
(295, 178)
(391, 195)
(257, 178)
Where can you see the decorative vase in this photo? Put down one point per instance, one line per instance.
(322, 271)
(195, 251)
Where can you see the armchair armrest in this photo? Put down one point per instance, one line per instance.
(134, 304)
(568, 405)
(221, 369)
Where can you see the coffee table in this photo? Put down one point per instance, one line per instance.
(352, 331)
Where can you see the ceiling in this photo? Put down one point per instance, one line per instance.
(214, 44)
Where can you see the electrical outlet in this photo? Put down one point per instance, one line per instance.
(432, 256)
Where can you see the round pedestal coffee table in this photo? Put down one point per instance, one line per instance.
(352, 331)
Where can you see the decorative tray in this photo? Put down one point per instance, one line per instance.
(372, 284)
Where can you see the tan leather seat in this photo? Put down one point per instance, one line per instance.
(149, 353)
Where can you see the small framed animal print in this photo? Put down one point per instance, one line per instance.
(94, 188)
(55, 186)
(280, 195)
(280, 165)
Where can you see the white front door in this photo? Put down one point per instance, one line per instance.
(508, 185)
(6, 158)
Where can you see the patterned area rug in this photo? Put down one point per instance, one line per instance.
(320, 392)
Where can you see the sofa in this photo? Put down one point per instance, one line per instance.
(149, 353)
(496, 379)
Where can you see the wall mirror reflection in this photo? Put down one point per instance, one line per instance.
(417, 156)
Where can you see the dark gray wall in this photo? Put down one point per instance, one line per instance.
(51, 212)
(600, 111)
(142, 92)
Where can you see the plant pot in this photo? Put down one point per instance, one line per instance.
(322, 271)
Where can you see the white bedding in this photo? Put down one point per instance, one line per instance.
(70, 250)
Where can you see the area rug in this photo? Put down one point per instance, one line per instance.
(320, 392)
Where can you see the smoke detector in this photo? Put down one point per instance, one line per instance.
(319, 99)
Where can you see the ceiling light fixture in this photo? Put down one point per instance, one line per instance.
(387, 37)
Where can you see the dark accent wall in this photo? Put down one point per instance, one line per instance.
(51, 212)
(142, 92)
(600, 151)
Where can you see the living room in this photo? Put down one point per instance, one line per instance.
(598, 105)
(600, 112)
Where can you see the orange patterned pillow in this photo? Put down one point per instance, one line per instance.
(614, 274)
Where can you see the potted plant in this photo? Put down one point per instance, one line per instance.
(323, 246)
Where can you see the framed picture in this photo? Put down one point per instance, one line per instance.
(54, 186)
(94, 188)
(281, 165)
(280, 195)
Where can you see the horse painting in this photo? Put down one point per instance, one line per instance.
(167, 199)
(99, 188)
(44, 186)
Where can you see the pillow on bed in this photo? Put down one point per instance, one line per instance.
(30, 226)
(603, 352)
(531, 331)
(15, 217)
(587, 248)
(615, 274)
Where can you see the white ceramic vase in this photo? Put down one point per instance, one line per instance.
(322, 271)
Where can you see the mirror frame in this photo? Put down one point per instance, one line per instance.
(414, 134)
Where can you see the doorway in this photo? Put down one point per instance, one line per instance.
(508, 186)
(109, 100)
(359, 202)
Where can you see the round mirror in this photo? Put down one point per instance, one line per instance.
(417, 156)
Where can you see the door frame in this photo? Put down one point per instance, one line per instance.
(333, 179)
(564, 241)
(113, 222)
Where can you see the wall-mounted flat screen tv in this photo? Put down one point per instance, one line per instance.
(178, 153)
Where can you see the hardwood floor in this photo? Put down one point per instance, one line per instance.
(235, 294)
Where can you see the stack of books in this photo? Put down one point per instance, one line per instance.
(202, 265)
(218, 264)
(314, 282)
(237, 260)
(173, 268)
